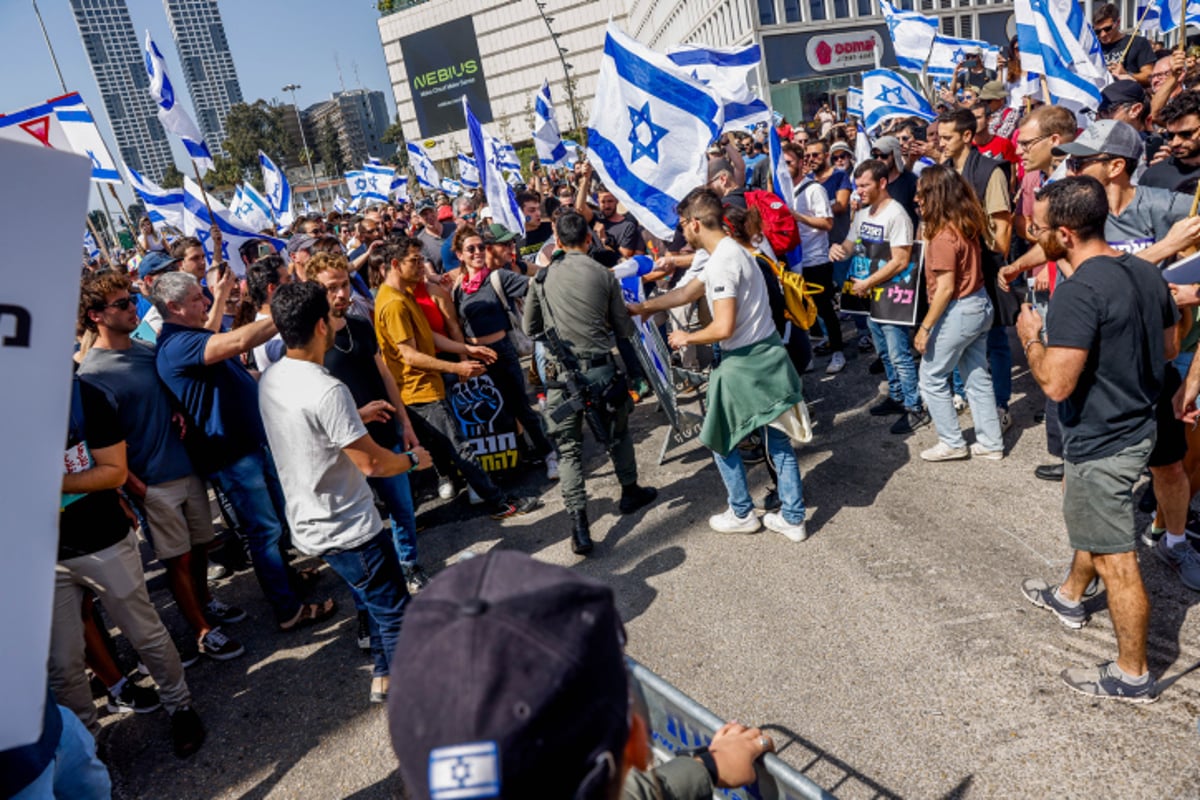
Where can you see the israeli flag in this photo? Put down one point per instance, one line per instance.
(451, 187)
(379, 182)
(89, 245)
(651, 124)
(468, 173)
(488, 160)
(84, 137)
(862, 144)
(170, 113)
(573, 150)
(356, 182)
(422, 167)
(887, 94)
(339, 204)
(507, 155)
(1058, 42)
(547, 139)
(279, 192)
(729, 71)
(163, 206)
(234, 233)
(354, 205)
(464, 771)
(912, 35)
(1164, 17)
(854, 103)
(400, 188)
(781, 179)
(251, 209)
(948, 53)
(629, 275)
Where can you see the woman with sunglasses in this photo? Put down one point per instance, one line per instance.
(953, 333)
(484, 316)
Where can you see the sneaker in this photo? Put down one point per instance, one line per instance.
(223, 614)
(979, 451)
(730, 522)
(634, 498)
(1005, 419)
(512, 506)
(911, 421)
(1182, 558)
(216, 572)
(1152, 535)
(552, 467)
(187, 657)
(134, 699)
(1106, 681)
(960, 404)
(864, 344)
(473, 497)
(219, 647)
(777, 523)
(446, 488)
(187, 732)
(415, 578)
(771, 501)
(944, 452)
(886, 408)
(836, 364)
(364, 631)
(1041, 594)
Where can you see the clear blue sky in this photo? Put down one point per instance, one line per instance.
(273, 43)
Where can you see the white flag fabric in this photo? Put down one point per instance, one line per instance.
(912, 35)
(422, 167)
(451, 187)
(379, 182)
(729, 71)
(948, 53)
(234, 233)
(468, 173)
(1058, 42)
(781, 179)
(854, 102)
(507, 155)
(650, 126)
(279, 191)
(547, 139)
(170, 113)
(488, 159)
(400, 188)
(356, 182)
(89, 245)
(84, 137)
(887, 94)
(251, 209)
(862, 144)
(339, 204)
(1163, 17)
(163, 206)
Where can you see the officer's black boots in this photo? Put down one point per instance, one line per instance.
(581, 535)
(634, 497)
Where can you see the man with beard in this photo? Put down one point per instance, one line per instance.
(1118, 305)
(1180, 172)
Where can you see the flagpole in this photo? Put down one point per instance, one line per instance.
(1195, 202)
(216, 231)
(1138, 27)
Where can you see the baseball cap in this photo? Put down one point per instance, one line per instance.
(890, 146)
(156, 262)
(301, 241)
(993, 90)
(445, 213)
(1104, 137)
(840, 147)
(425, 204)
(510, 682)
(496, 234)
(1121, 92)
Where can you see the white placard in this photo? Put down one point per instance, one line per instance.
(43, 199)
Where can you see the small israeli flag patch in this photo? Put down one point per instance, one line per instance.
(464, 771)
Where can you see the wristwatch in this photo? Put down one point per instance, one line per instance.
(414, 460)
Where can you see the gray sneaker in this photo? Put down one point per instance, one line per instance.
(1041, 594)
(1182, 558)
(1106, 682)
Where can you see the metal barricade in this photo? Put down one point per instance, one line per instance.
(677, 722)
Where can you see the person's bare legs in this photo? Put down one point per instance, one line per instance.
(181, 576)
(1174, 493)
(1128, 606)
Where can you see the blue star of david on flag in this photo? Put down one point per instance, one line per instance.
(638, 118)
(958, 55)
(885, 94)
(204, 235)
(361, 184)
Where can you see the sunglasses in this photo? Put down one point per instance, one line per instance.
(1076, 163)
(841, 157)
(1105, 29)
(120, 305)
(475, 248)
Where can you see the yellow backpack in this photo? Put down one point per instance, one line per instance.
(798, 296)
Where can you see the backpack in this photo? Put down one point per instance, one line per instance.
(799, 307)
(778, 224)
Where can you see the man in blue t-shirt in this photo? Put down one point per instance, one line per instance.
(226, 438)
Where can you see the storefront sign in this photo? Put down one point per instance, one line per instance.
(835, 52)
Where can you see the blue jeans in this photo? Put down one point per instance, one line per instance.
(397, 498)
(374, 574)
(75, 771)
(252, 487)
(791, 490)
(999, 356)
(959, 342)
(892, 345)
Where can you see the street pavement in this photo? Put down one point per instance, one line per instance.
(891, 655)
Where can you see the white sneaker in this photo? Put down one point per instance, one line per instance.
(943, 452)
(979, 451)
(837, 363)
(1005, 419)
(552, 467)
(474, 498)
(730, 522)
(960, 404)
(775, 521)
(445, 488)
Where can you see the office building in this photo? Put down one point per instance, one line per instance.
(208, 69)
(359, 116)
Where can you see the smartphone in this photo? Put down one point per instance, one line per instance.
(920, 134)
(265, 250)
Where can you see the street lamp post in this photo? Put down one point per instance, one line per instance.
(292, 87)
(541, 7)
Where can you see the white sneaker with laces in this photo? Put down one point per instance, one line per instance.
(730, 522)
(944, 452)
(445, 488)
(775, 521)
(837, 363)
(552, 467)
(979, 451)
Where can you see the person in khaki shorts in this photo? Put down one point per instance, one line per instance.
(174, 498)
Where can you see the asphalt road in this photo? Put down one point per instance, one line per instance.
(890, 655)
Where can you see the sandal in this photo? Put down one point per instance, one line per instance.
(309, 614)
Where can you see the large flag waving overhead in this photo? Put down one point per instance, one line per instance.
(728, 70)
(886, 94)
(468, 173)
(279, 192)
(162, 205)
(356, 182)
(650, 126)
(912, 35)
(854, 102)
(1056, 41)
(422, 167)
(488, 159)
(379, 182)
(400, 188)
(252, 209)
(546, 136)
(170, 113)
(1163, 16)
(234, 233)
(948, 53)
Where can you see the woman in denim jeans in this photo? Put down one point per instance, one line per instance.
(953, 333)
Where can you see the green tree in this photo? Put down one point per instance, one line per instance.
(395, 135)
(253, 127)
(226, 172)
(330, 148)
(136, 210)
(172, 178)
(99, 220)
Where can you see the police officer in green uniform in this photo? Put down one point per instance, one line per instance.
(582, 302)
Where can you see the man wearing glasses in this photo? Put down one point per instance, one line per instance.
(1180, 172)
(1134, 62)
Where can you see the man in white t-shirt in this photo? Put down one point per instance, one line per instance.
(754, 387)
(324, 455)
(814, 218)
(880, 243)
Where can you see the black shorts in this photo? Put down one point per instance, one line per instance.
(1171, 445)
